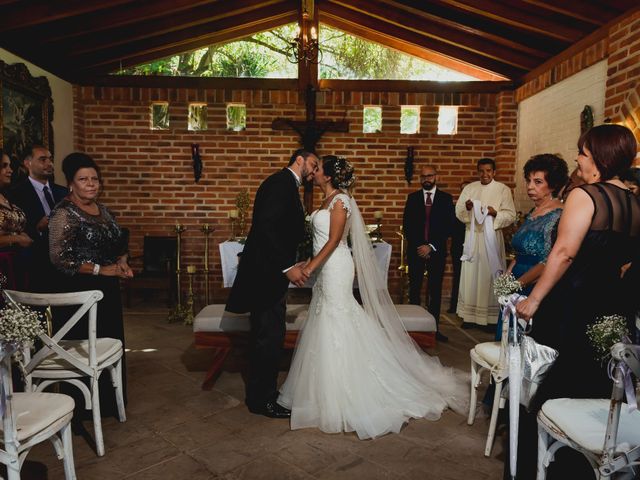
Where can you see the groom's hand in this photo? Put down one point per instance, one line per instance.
(296, 275)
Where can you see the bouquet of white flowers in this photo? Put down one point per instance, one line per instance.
(606, 332)
(19, 324)
(506, 284)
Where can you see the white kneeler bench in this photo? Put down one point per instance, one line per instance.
(216, 328)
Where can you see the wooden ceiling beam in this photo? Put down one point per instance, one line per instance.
(368, 28)
(509, 40)
(506, 14)
(481, 25)
(586, 42)
(172, 23)
(190, 35)
(578, 9)
(38, 12)
(137, 56)
(417, 86)
(428, 28)
(428, 49)
(91, 23)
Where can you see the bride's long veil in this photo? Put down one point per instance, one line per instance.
(378, 305)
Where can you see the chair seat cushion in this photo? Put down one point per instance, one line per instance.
(214, 318)
(584, 421)
(105, 349)
(34, 412)
(489, 352)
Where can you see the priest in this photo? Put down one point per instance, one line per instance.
(485, 207)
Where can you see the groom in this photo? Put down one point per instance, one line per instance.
(266, 267)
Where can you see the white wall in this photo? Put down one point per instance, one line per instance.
(62, 94)
(549, 122)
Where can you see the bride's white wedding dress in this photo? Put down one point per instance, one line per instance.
(354, 368)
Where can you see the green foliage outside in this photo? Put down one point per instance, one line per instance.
(264, 55)
(409, 120)
(372, 120)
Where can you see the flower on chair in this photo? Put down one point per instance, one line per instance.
(606, 332)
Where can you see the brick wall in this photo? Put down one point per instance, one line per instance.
(148, 179)
(623, 83)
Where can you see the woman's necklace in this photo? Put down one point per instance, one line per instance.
(330, 193)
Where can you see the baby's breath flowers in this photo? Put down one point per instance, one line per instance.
(606, 332)
(506, 284)
(19, 324)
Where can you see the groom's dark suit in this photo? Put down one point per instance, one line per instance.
(441, 221)
(260, 286)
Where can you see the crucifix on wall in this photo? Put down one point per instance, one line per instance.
(310, 132)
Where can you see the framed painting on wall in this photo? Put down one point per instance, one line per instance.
(26, 113)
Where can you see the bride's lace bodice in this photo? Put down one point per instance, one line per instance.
(321, 219)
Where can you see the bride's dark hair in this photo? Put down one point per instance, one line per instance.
(340, 171)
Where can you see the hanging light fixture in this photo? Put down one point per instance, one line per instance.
(304, 49)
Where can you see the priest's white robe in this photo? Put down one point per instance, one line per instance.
(476, 301)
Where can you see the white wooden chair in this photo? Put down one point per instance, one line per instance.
(603, 430)
(69, 361)
(30, 418)
(490, 357)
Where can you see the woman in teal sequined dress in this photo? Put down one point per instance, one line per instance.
(545, 175)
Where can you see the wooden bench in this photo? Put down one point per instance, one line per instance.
(220, 330)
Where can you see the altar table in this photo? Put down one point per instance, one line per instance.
(229, 251)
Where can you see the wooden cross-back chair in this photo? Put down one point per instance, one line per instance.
(62, 360)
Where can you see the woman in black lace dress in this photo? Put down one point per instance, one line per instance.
(599, 231)
(89, 250)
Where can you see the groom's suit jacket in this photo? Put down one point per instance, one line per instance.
(277, 228)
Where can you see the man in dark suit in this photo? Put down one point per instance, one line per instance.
(428, 219)
(36, 196)
(266, 267)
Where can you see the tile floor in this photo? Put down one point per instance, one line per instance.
(175, 430)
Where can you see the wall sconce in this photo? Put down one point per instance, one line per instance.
(304, 49)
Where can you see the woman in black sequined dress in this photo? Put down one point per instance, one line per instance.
(89, 250)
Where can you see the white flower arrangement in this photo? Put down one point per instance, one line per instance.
(606, 332)
(506, 284)
(19, 324)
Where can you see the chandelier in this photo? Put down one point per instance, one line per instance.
(304, 48)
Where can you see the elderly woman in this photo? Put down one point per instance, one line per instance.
(89, 250)
(545, 175)
(597, 234)
(13, 239)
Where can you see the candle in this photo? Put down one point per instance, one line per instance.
(378, 214)
(191, 269)
(233, 214)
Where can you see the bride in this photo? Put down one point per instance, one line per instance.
(355, 368)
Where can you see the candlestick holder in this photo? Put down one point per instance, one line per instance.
(207, 230)
(189, 314)
(404, 270)
(178, 313)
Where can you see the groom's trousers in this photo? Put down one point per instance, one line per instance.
(268, 329)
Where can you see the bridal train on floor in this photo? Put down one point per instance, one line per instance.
(355, 368)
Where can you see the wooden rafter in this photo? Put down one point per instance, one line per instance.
(24, 14)
(139, 56)
(515, 17)
(205, 15)
(443, 33)
(83, 26)
(387, 34)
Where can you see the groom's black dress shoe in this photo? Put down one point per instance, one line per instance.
(272, 410)
(441, 338)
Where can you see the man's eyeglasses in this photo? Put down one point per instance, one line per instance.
(431, 175)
